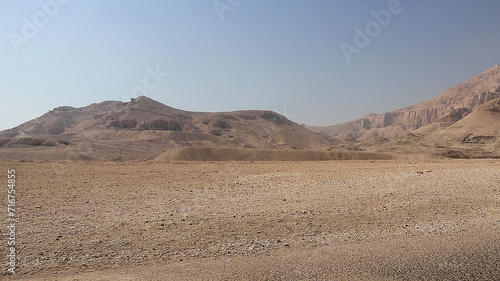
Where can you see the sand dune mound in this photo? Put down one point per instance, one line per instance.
(43, 153)
(235, 154)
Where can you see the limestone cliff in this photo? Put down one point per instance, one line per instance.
(451, 106)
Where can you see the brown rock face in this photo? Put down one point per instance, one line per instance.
(144, 128)
(451, 106)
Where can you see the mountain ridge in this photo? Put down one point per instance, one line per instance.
(144, 128)
(451, 106)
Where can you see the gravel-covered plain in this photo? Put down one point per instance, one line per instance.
(401, 219)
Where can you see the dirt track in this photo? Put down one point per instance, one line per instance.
(347, 220)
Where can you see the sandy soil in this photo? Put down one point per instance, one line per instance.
(341, 220)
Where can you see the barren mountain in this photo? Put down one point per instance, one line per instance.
(479, 131)
(475, 136)
(451, 106)
(144, 128)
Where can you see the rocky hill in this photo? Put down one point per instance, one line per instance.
(451, 106)
(144, 128)
(475, 136)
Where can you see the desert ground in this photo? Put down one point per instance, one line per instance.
(410, 218)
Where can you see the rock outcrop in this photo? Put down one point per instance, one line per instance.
(144, 128)
(451, 106)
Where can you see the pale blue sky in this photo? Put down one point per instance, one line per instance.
(278, 55)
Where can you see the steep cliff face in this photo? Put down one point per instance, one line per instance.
(451, 106)
(479, 129)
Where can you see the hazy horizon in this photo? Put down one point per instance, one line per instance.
(235, 55)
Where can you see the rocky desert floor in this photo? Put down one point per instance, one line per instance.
(406, 219)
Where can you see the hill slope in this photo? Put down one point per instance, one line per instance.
(479, 130)
(237, 154)
(475, 136)
(144, 128)
(451, 106)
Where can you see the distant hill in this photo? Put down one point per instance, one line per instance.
(451, 106)
(463, 122)
(478, 131)
(144, 128)
(475, 136)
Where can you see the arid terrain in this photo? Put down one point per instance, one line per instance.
(142, 191)
(143, 128)
(442, 111)
(462, 122)
(250, 140)
(410, 218)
